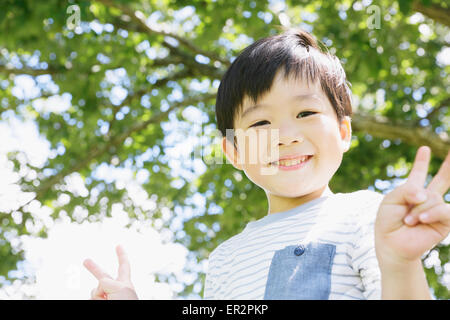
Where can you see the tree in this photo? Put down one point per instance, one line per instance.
(130, 66)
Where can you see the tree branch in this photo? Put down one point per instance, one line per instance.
(435, 112)
(56, 70)
(32, 72)
(179, 56)
(433, 11)
(139, 18)
(382, 127)
(204, 69)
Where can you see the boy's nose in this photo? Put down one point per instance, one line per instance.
(289, 133)
(288, 140)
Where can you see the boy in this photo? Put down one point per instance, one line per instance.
(313, 244)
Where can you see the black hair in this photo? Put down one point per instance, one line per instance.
(252, 73)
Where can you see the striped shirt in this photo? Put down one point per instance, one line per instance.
(238, 268)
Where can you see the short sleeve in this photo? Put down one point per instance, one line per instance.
(211, 279)
(364, 260)
(208, 293)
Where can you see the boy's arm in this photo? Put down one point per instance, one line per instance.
(404, 282)
(408, 225)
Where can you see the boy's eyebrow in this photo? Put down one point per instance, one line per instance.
(299, 97)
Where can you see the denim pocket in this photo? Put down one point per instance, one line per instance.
(301, 274)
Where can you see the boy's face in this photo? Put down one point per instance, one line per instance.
(306, 124)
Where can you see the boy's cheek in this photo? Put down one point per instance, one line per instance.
(258, 147)
(254, 154)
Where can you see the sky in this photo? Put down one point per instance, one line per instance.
(58, 259)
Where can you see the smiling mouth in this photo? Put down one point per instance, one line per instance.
(291, 162)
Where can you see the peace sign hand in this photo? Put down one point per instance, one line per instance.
(406, 225)
(108, 288)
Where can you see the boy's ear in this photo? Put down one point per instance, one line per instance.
(231, 153)
(346, 133)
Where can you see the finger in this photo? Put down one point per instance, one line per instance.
(419, 171)
(439, 213)
(95, 269)
(412, 218)
(407, 194)
(413, 191)
(110, 285)
(441, 181)
(124, 265)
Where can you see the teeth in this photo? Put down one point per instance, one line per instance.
(292, 162)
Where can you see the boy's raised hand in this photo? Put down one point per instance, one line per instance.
(406, 225)
(108, 288)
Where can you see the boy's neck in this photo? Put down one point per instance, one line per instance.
(280, 204)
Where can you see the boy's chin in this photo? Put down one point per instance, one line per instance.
(288, 193)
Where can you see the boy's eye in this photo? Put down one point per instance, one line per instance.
(259, 123)
(311, 112)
